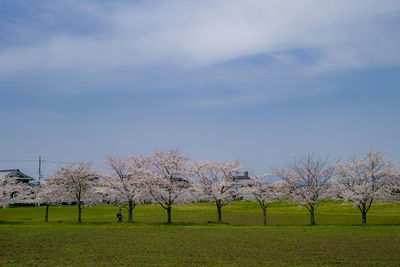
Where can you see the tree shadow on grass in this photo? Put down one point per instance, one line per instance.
(176, 224)
(83, 223)
(11, 222)
(213, 222)
(372, 224)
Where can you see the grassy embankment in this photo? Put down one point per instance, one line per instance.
(194, 238)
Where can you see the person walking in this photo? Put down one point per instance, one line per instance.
(119, 216)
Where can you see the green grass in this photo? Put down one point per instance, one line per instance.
(239, 213)
(194, 238)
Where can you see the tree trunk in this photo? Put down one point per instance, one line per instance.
(312, 219)
(364, 217)
(169, 215)
(79, 213)
(265, 216)
(46, 217)
(219, 214)
(364, 214)
(363, 209)
(130, 210)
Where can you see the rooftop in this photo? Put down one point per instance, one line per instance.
(15, 173)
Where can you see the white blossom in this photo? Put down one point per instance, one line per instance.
(168, 181)
(307, 181)
(216, 181)
(262, 190)
(363, 180)
(48, 192)
(14, 192)
(124, 181)
(77, 185)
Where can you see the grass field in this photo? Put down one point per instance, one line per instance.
(194, 238)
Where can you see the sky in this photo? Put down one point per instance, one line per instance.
(257, 80)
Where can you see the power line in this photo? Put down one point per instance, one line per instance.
(57, 162)
(40, 169)
(19, 160)
(66, 162)
(45, 161)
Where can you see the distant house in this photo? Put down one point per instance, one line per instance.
(241, 178)
(17, 174)
(20, 178)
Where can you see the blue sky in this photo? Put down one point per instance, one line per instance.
(263, 81)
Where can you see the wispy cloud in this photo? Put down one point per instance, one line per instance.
(201, 39)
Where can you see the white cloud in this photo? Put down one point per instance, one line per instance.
(195, 34)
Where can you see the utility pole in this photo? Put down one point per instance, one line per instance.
(40, 168)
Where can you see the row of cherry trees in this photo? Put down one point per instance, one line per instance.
(168, 178)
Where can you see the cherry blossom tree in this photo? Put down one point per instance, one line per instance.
(14, 192)
(125, 181)
(395, 188)
(262, 190)
(78, 185)
(169, 179)
(48, 192)
(307, 181)
(216, 181)
(363, 180)
(392, 186)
